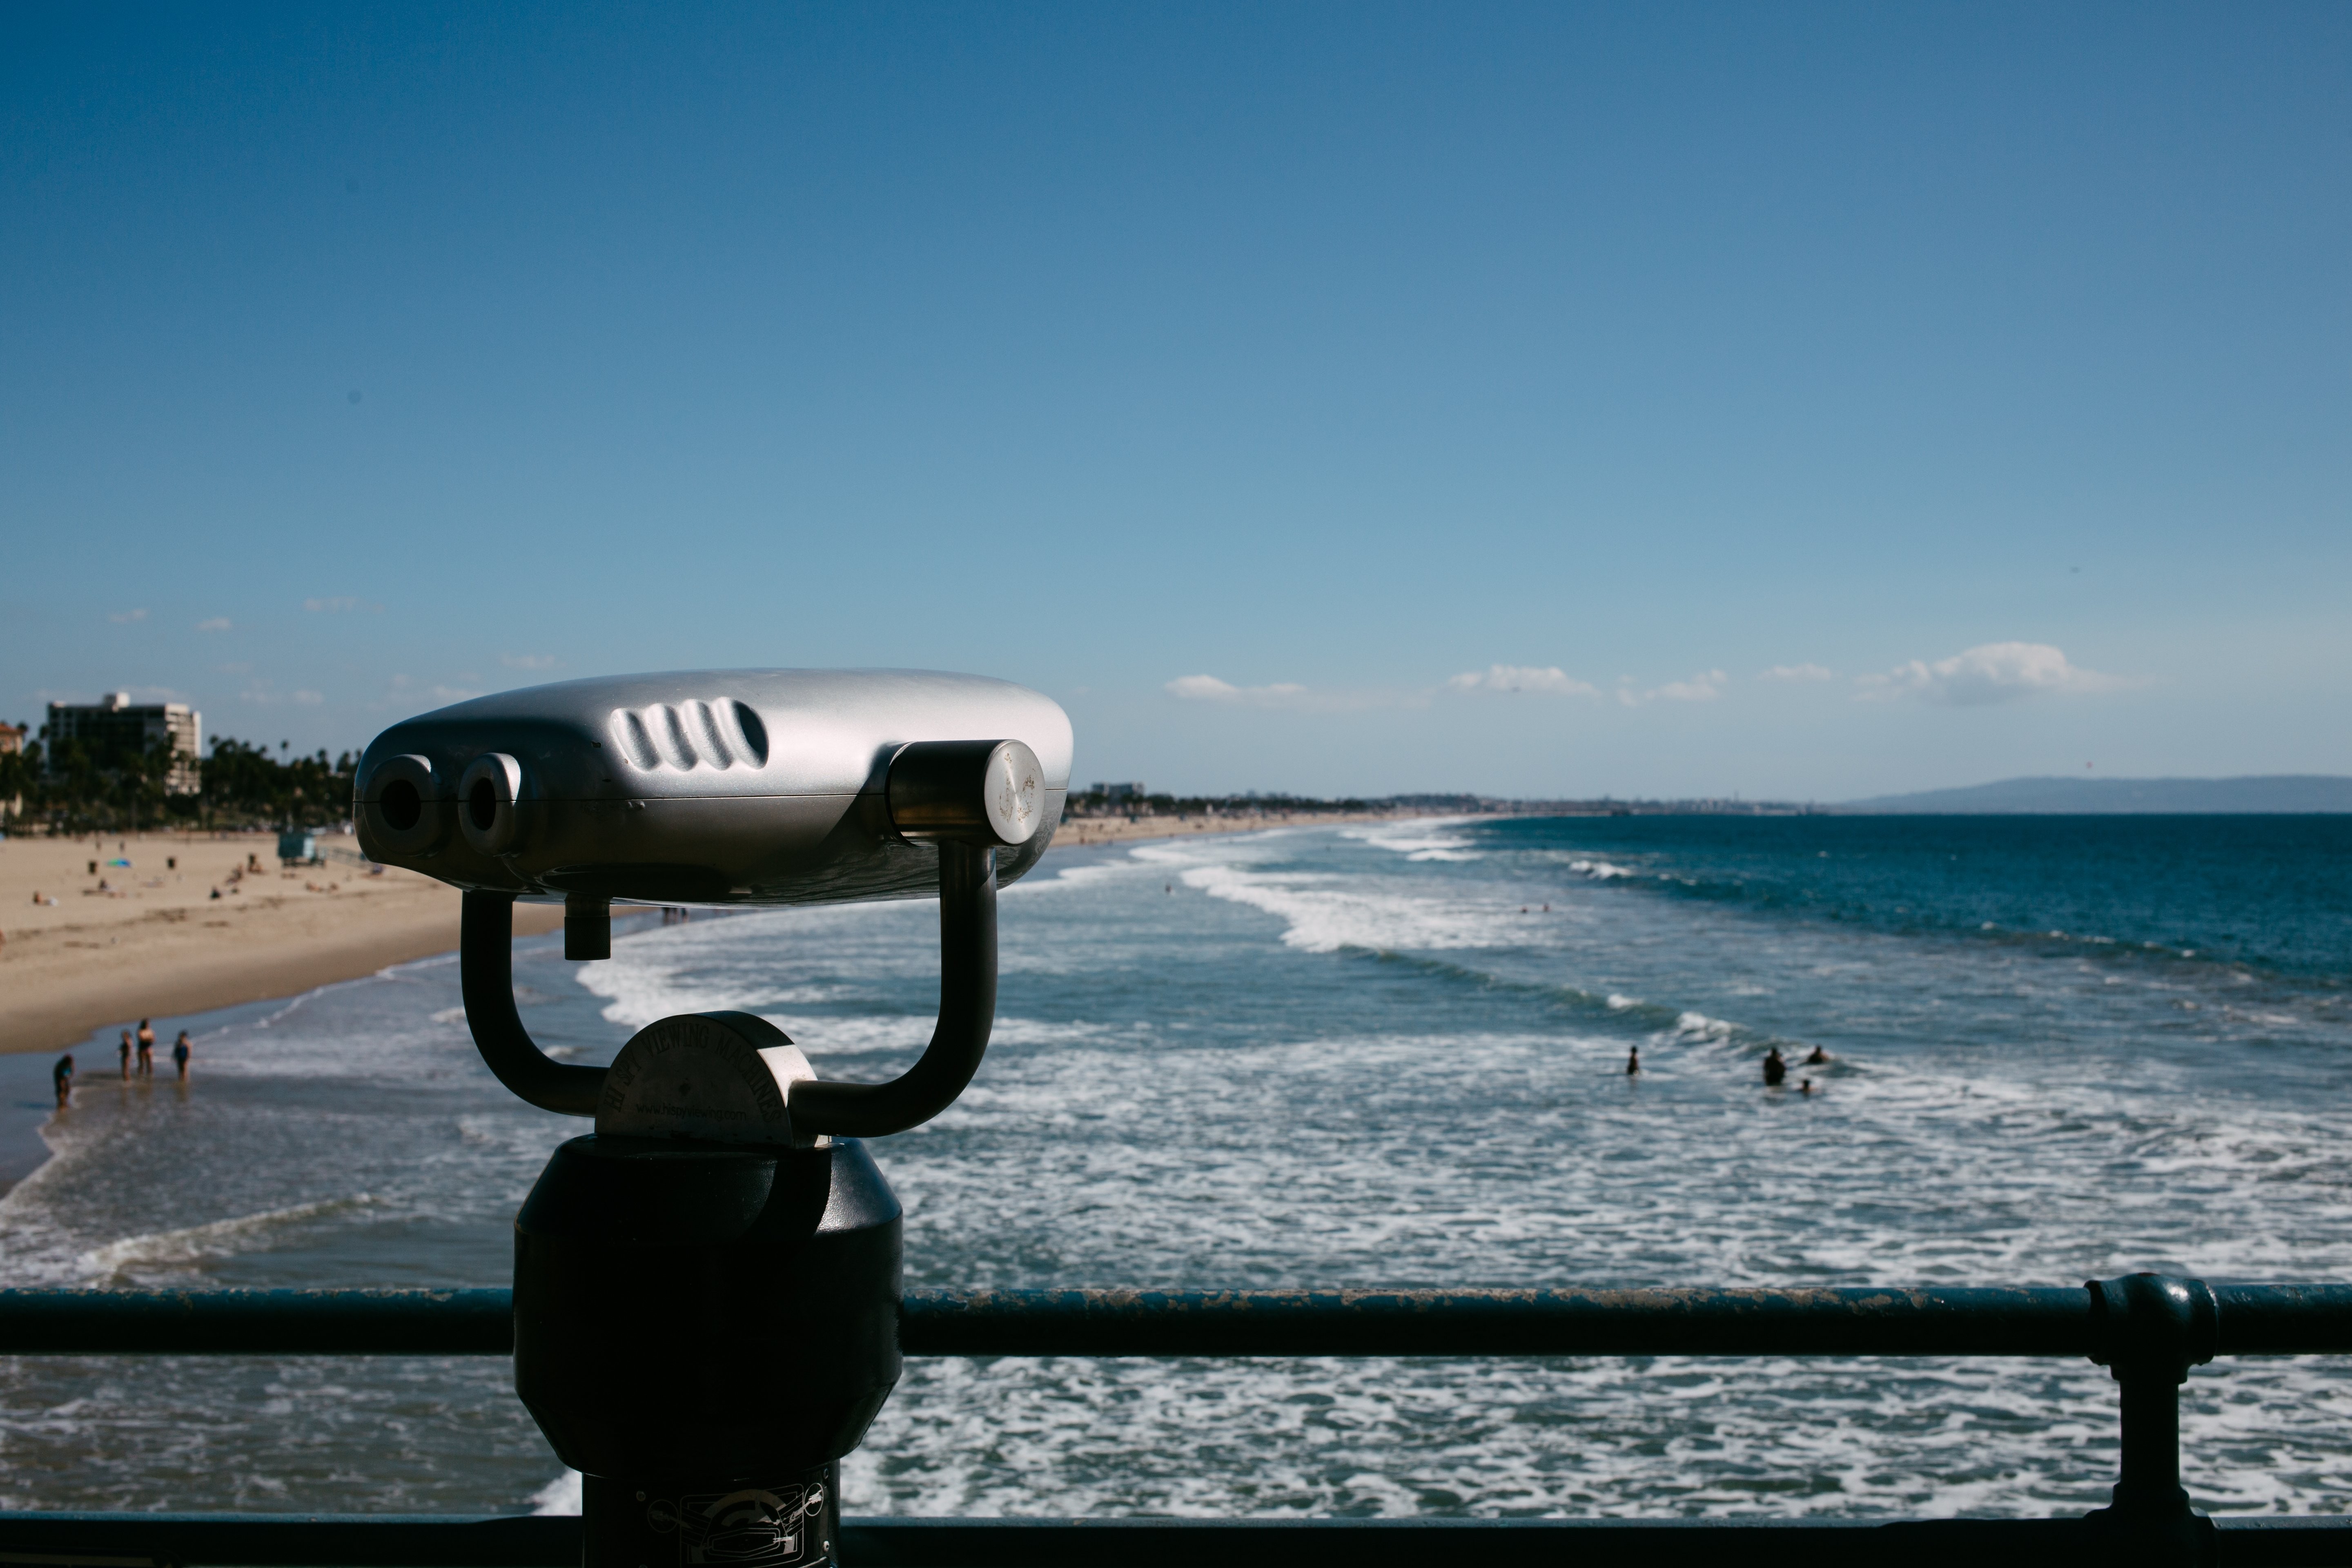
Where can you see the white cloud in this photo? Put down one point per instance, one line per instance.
(261, 694)
(124, 617)
(1705, 687)
(1794, 672)
(1548, 680)
(1989, 672)
(218, 624)
(1209, 689)
(528, 660)
(136, 693)
(1291, 697)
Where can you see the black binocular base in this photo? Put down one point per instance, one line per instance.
(782, 1521)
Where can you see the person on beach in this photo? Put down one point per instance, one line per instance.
(146, 1049)
(1805, 1087)
(61, 1078)
(1776, 1069)
(180, 1053)
(1633, 1062)
(123, 1051)
(1819, 1057)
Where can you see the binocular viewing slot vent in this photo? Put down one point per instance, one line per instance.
(691, 735)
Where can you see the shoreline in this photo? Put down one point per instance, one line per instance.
(193, 924)
(196, 922)
(1093, 832)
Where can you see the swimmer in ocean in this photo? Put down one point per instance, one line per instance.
(1818, 1058)
(1633, 1062)
(1776, 1067)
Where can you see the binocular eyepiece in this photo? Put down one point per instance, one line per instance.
(707, 1287)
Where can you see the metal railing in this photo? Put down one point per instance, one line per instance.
(2148, 1329)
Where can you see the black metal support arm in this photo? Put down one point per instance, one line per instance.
(967, 1013)
(486, 979)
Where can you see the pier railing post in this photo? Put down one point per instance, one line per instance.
(2148, 1331)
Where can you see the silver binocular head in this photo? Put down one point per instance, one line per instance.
(742, 786)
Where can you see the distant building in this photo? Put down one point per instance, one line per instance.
(116, 729)
(1118, 791)
(12, 741)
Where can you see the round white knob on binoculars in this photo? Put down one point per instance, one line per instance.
(974, 791)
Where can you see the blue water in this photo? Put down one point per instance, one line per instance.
(1377, 1055)
(2270, 891)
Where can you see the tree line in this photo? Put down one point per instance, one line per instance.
(75, 787)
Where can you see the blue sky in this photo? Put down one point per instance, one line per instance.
(1350, 398)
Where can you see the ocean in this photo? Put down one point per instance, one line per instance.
(1380, 1055)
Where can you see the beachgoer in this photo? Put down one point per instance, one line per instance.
(124, 1052)
(1817, 1057)
(61, 1076)
(180, 1053)
(1633, 1062)
(1776, 1069)
(146, 1049)
(1805, 1086)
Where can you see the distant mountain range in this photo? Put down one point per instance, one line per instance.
(2269, 792)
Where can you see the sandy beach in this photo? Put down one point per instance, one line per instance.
(87, 943)
(153, 942)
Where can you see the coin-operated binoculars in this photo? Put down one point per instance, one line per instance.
(706, 1285)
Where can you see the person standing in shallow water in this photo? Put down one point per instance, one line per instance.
(61, 1079)
(146, 1049)
(180, 1053)
(123, 1051)
(1633, 1062)
(1776, 1067)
